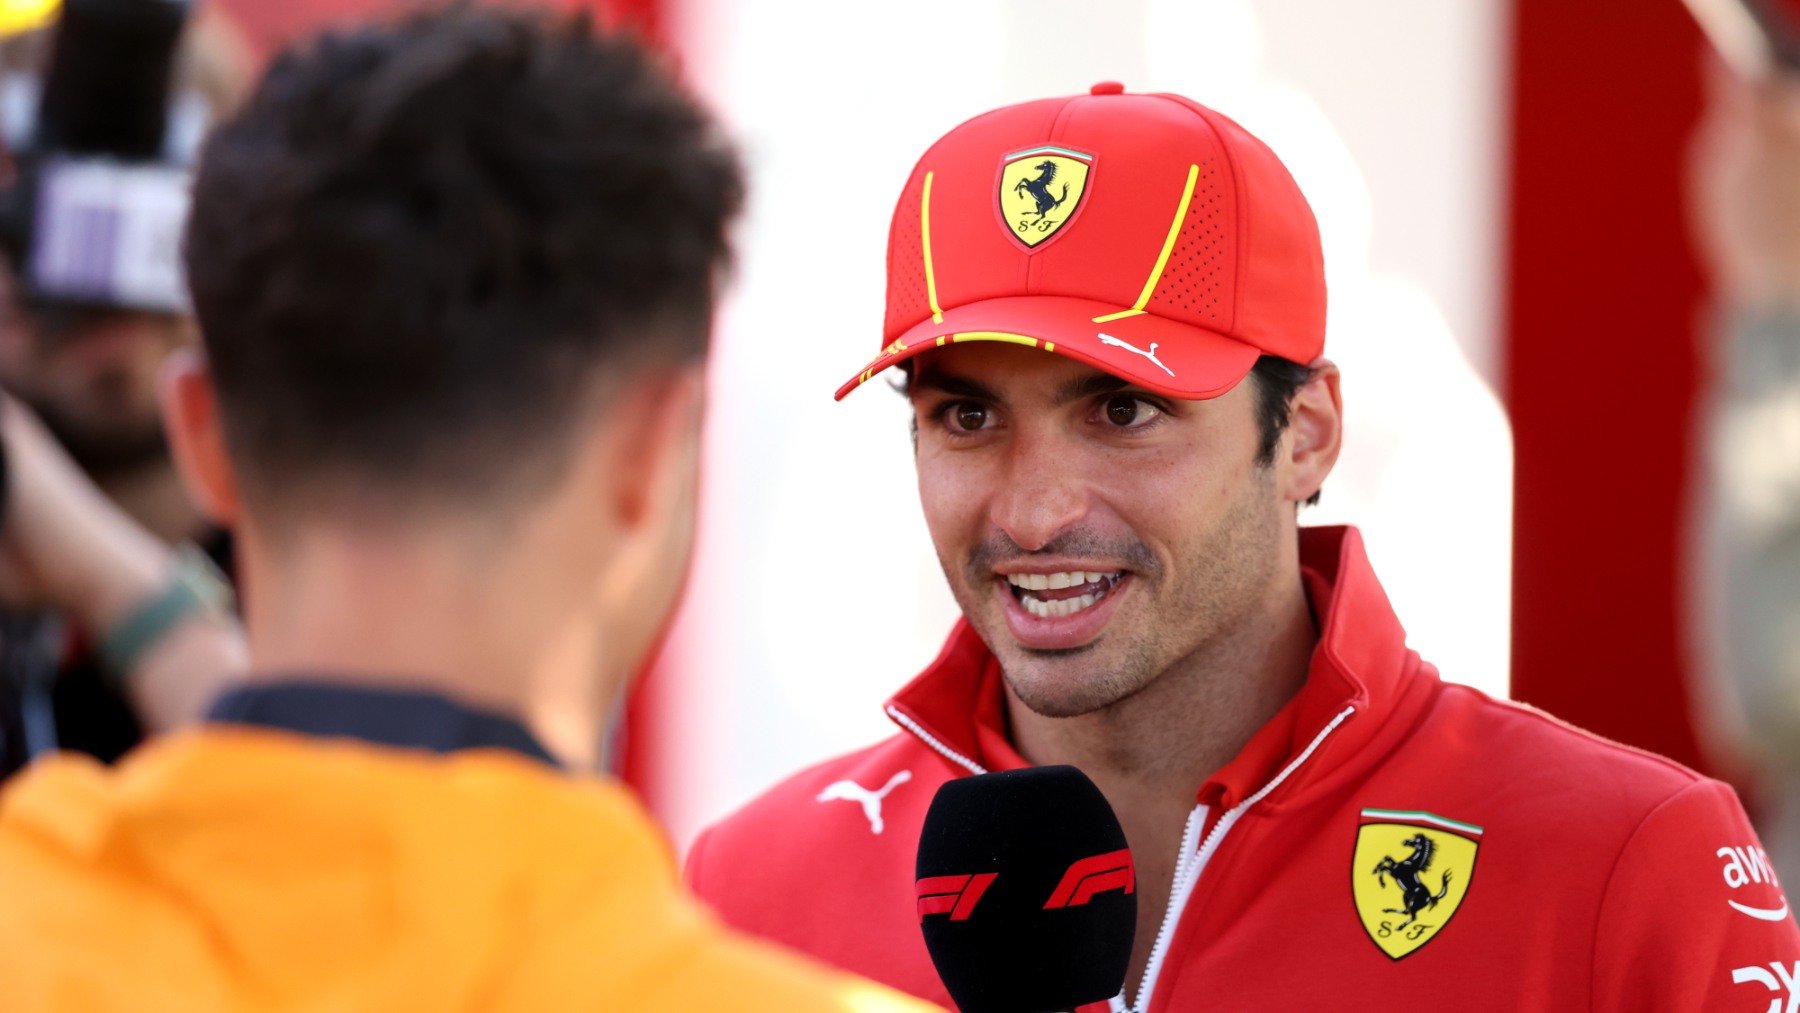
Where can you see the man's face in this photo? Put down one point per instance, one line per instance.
(1094, 533)
(92, 376)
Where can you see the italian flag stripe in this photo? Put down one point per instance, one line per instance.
(1051, 149)
(1415, 816)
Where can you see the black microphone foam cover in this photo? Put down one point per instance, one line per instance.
(1026, 891)
(107, 88)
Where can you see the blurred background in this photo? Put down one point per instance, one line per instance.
(1574, 420)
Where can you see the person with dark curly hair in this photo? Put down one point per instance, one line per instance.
(454, 278)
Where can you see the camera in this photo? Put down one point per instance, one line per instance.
(92, 214)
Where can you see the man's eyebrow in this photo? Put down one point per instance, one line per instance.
(950, 383)
(1091, 385)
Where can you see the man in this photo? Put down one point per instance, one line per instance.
(454, 278)
(104, 635)
(1111, 308)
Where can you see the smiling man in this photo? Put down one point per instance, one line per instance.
(1111, 313)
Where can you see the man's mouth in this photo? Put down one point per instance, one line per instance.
(1055, 595)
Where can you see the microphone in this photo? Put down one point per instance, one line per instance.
(1026, 890)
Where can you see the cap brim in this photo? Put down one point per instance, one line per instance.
(1171, 358)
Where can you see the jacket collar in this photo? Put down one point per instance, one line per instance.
(401, 718)
(1361, 661)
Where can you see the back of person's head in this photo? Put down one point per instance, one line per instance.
(424, 254)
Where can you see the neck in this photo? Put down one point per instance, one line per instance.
(495, 629)
(1150, 753)
(1155, 748)
(152, 495)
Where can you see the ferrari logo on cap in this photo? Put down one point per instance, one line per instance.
(1041, 189)
(1410, 873)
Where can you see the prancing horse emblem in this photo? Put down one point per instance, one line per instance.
(1416, 896)
(1409, 875)
(1040, 189)
(850, 791)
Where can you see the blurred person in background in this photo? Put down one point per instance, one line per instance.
(1746, 202)
(1111, 313)
(455, 279)
(109, 630)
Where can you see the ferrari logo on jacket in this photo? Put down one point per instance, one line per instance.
(1040, 190)
(1410, 873)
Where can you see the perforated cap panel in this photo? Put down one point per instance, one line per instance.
(908, 303)
(1195, 280)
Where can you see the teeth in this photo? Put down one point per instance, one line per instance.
(1057, 581)
(1056, 609)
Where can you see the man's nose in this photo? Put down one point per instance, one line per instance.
(1042, 493)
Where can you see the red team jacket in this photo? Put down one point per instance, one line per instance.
(1549, 869)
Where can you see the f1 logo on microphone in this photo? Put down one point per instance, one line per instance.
(955, 896)
(1089, 876)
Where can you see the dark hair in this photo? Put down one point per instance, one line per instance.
(1277, 381)
(422, 249)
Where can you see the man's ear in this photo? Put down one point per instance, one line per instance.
(655, 425)
(1315, 433)
(190, 409)
(651, 480)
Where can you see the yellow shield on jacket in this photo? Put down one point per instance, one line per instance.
(1041, 189)
(1410, 873)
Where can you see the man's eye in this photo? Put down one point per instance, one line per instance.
(1125, 411)
(968, 417)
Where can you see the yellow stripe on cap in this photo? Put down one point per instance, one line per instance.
(1013, 339)
(1162, 259)
(1122, 314)
(937, 312)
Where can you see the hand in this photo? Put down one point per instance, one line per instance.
(63, 544)
(1745, 177)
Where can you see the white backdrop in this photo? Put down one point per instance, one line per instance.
(817, 593)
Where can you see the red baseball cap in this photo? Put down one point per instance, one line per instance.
(1145, 235)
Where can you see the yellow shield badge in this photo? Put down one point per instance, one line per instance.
(1041, 189)
(1410, 873)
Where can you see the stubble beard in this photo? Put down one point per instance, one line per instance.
(1180, 624)
(106, 450)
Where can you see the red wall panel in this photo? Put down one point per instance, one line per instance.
(1601, 368)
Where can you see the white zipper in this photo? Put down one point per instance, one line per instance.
(926, 737)
(1187, 873)
(1190, 835)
